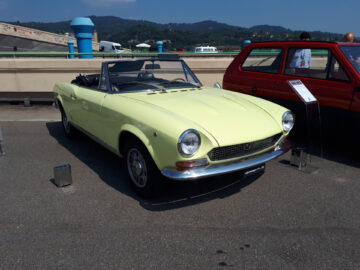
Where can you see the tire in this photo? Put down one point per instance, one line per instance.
(69, 130)
(143, 175)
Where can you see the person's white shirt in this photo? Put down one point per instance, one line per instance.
(301, 59)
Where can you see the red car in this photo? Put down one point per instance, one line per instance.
(331, 71)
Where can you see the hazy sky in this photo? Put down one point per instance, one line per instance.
(330, 15)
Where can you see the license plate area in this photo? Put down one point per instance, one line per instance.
(260, 169)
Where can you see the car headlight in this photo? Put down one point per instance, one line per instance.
(189, 142)
(288, 120)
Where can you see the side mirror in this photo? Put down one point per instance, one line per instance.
(217, 85)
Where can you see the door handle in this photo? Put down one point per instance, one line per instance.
(73, 96)
(254, 89)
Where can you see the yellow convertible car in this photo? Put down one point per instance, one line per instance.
(158, 116)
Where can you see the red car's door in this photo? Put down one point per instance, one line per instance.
(256, 74)
(349, 54)
(326, 78)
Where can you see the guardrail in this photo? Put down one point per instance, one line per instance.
(116, 55)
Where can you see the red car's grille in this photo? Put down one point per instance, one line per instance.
(239, 150)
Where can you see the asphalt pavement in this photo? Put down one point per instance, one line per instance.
(281, 219)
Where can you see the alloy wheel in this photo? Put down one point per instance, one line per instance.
(136, 166)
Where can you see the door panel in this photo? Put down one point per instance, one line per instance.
(258, 74)
(324, 77)
(89, 111)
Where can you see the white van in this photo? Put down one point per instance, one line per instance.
(108, 46)
(206, 49)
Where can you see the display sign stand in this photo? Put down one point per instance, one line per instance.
(302, 156)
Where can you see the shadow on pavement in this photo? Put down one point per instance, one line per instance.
(185, 194)
(340, 139)
(111, 169)
(338, 129)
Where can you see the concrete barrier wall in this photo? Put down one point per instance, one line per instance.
(38, 75)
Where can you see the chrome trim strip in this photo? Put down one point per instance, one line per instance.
(221, 168)
(95, 138)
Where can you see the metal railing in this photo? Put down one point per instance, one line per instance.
(116, 55)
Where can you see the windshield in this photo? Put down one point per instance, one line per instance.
(118, 47)
(143, 75)
(352, 53)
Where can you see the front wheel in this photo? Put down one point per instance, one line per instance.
(143, 174)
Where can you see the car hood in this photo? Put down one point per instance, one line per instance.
(227, 116)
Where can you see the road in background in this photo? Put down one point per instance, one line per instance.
(37, 113)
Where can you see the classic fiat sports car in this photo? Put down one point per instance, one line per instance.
(157, 115)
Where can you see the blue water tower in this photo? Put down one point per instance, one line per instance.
(159, 46)
(83, 29)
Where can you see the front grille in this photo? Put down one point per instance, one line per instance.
(239, 150)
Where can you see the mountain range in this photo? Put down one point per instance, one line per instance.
(180, 35)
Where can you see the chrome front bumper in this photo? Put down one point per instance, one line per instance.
(222, 168)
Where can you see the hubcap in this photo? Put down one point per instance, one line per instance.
(137, 167)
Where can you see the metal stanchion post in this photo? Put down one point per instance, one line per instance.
(27, 102)
(62, 175)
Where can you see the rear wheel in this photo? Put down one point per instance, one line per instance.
(69, 130)
(144, 176)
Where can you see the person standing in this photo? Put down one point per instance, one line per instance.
(302, 57)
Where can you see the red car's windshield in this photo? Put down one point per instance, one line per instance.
(352, 53)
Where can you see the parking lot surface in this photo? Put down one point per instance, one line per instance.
(282, 219)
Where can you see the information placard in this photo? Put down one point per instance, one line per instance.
(302, 91)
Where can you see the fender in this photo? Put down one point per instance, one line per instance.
(141, 136)
(59, 101)
(62, 92)
(58, 98)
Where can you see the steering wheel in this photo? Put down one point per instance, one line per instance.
(144, 76)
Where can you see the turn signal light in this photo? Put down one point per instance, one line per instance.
(183, 165)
